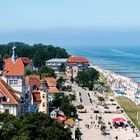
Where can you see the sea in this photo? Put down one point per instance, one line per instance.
(124, 60)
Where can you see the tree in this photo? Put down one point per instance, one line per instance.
(87, 78)
(80, 107)
(60, 81)
(62, 67)
(101, 99)
(39, 58)
(78, 134)
(39, 53)
(34, 126)
(72, 97)
(43, 71)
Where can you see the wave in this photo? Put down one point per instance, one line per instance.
(124, 53)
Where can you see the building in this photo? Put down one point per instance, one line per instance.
(53, 114)
(56, 64)
(33, 81)
(52, 89)
(15, 69)
(75, 64)
(9, 99)
(40, 97)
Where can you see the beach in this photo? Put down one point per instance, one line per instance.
(122, 86)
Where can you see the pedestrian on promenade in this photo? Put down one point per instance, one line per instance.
(116, 137)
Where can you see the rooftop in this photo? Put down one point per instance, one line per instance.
(9, 93)
(77, 59)
(62, 60)
(51, 82)
(15, 68)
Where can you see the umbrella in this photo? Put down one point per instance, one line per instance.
(69, 121)
(61, 118)
(119, 120)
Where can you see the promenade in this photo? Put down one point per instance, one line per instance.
(89, 124)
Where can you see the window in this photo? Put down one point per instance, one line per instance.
(43, 104)
(43, 96)
(6, 110)
(13, 82)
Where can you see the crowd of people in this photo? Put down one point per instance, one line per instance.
(117, 82)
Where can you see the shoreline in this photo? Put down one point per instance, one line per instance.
(121, 85)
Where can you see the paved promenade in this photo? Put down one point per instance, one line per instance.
(89, 124)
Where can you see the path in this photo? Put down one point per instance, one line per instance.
(93, 132)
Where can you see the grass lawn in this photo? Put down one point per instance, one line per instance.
(130, 108)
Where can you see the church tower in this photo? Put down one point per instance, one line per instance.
(14, 54)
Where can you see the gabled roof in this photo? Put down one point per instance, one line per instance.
(15, 68)
(53, 112)
(7, 92)
(33, 81)
(26, 60)
(53, 90)
(76, 59)
(51, 82)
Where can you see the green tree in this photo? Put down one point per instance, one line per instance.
(62, 67)
(78, 134)
(87, 78)
(43, 71)
(80, 107)
(34, 126)
(72, 97)
(101, 99)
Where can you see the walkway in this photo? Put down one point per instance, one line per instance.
(89, 125)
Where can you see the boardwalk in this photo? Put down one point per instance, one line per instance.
(89, 119)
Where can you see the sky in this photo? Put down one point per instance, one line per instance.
(71, 22)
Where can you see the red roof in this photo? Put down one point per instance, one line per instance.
(7, 92)
(76, 59)
(36, 96)
(53, 90)
(15, 68)
(33, 81)
(51, 82)
(26, 60)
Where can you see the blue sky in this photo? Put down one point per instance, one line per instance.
(71, 22)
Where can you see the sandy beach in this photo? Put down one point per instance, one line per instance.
(122, 86)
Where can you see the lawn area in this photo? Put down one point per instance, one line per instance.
(130, 108)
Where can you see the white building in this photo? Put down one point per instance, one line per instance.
(14, 70)
(9, 99)
(56, 63)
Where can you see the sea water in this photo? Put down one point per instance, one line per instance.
(121, 60)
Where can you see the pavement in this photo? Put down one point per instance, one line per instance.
(89, 124)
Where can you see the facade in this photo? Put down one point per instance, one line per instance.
(39, 96)
(33, 81)
(53, 114)
(9, 99)
(14, 70)
(52, 90)
(40, 99)
(75, 64)
(56, 63)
